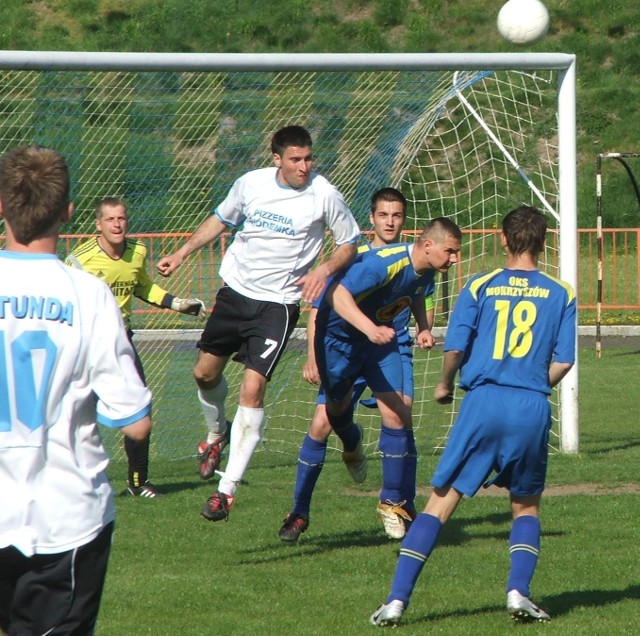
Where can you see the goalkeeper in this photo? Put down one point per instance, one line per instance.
(121, 263)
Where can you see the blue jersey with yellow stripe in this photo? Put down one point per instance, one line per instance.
(512, 324)
(383, 284)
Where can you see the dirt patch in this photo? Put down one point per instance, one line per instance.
(549, 491)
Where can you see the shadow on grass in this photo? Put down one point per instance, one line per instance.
(557, 605)
(455, 533)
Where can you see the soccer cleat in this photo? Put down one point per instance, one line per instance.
(395, 518)
(356, 461)
(147, 490)
(216, 508)
(388, 615)
(293, 525)
(521, 609)
(210, 453)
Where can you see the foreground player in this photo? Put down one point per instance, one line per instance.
(65, 363)
(359, 310)
(284, 212)
(121, 263)
(512, 335)
(387, 217)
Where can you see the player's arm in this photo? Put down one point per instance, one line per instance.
(208, 231)
(557, 371)
(451, 362)
(147, 291)
(314, 281)
(346, 307)
(310, 369)
(424, 337)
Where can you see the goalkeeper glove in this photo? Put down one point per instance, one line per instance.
(191, 306)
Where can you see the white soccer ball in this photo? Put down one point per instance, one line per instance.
(523, 21)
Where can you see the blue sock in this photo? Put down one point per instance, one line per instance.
(345, 429)
(408, 490)
(310, 462)
(393, 448)
(524, 546)
(414, 552)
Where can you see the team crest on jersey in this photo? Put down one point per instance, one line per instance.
(388, 313)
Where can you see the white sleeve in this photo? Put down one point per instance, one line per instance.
(339, 219)
(122, 396)
(230, 211)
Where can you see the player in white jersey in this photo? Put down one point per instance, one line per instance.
(281, 214)
(66, 364)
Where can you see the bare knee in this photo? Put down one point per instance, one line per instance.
(207, 371)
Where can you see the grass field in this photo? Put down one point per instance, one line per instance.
(171, 572)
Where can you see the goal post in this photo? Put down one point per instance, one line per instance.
(469, 136)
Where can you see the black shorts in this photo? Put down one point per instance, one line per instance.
(56, 594)
(256, 331)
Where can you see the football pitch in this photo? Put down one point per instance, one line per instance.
(171, 572)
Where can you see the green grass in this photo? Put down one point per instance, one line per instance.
(171, 572)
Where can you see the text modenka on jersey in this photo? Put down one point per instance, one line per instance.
(38, 307)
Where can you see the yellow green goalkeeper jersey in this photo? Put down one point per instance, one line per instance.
(127, 276)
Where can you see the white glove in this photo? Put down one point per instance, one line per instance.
(191, 306)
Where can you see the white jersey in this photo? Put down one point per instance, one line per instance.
(282, 233)
(65, 362)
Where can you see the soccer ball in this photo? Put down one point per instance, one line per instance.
(523, 21)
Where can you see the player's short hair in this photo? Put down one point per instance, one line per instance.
(525, 230)
(111, 202)
(34, 190)
(439, 228)
(388, 194)
(290, 136)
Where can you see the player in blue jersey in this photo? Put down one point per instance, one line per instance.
(281, 215)
(387, 217)
(357, 311)
(66, 365)
(512, 335)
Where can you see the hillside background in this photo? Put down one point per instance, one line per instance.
(604, 35)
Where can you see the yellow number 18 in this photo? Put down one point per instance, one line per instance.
(518, 328)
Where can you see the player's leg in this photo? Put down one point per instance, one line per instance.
(408, 489)
(339, 364)
(137, 451)
(60, 593)
(219, 340)
(264, 330)
(415, 549)
(212, 392)
(309, 466)
(524, 548)
(394, 510)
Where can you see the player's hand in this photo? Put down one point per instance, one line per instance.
(312, 285)
(425, 339)
(168, 264)
(381, 334)
(310, 372)
(191, 306)
(443, 394)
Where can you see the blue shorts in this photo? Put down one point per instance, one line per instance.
(341, 363)
(406, 353)
(502, 430)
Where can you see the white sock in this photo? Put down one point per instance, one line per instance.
(212, 403)
(246, 432)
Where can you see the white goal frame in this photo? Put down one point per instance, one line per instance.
(563, 64)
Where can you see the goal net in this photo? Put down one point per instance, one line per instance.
(466, 136)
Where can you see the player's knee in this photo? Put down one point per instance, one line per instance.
(320, 429)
